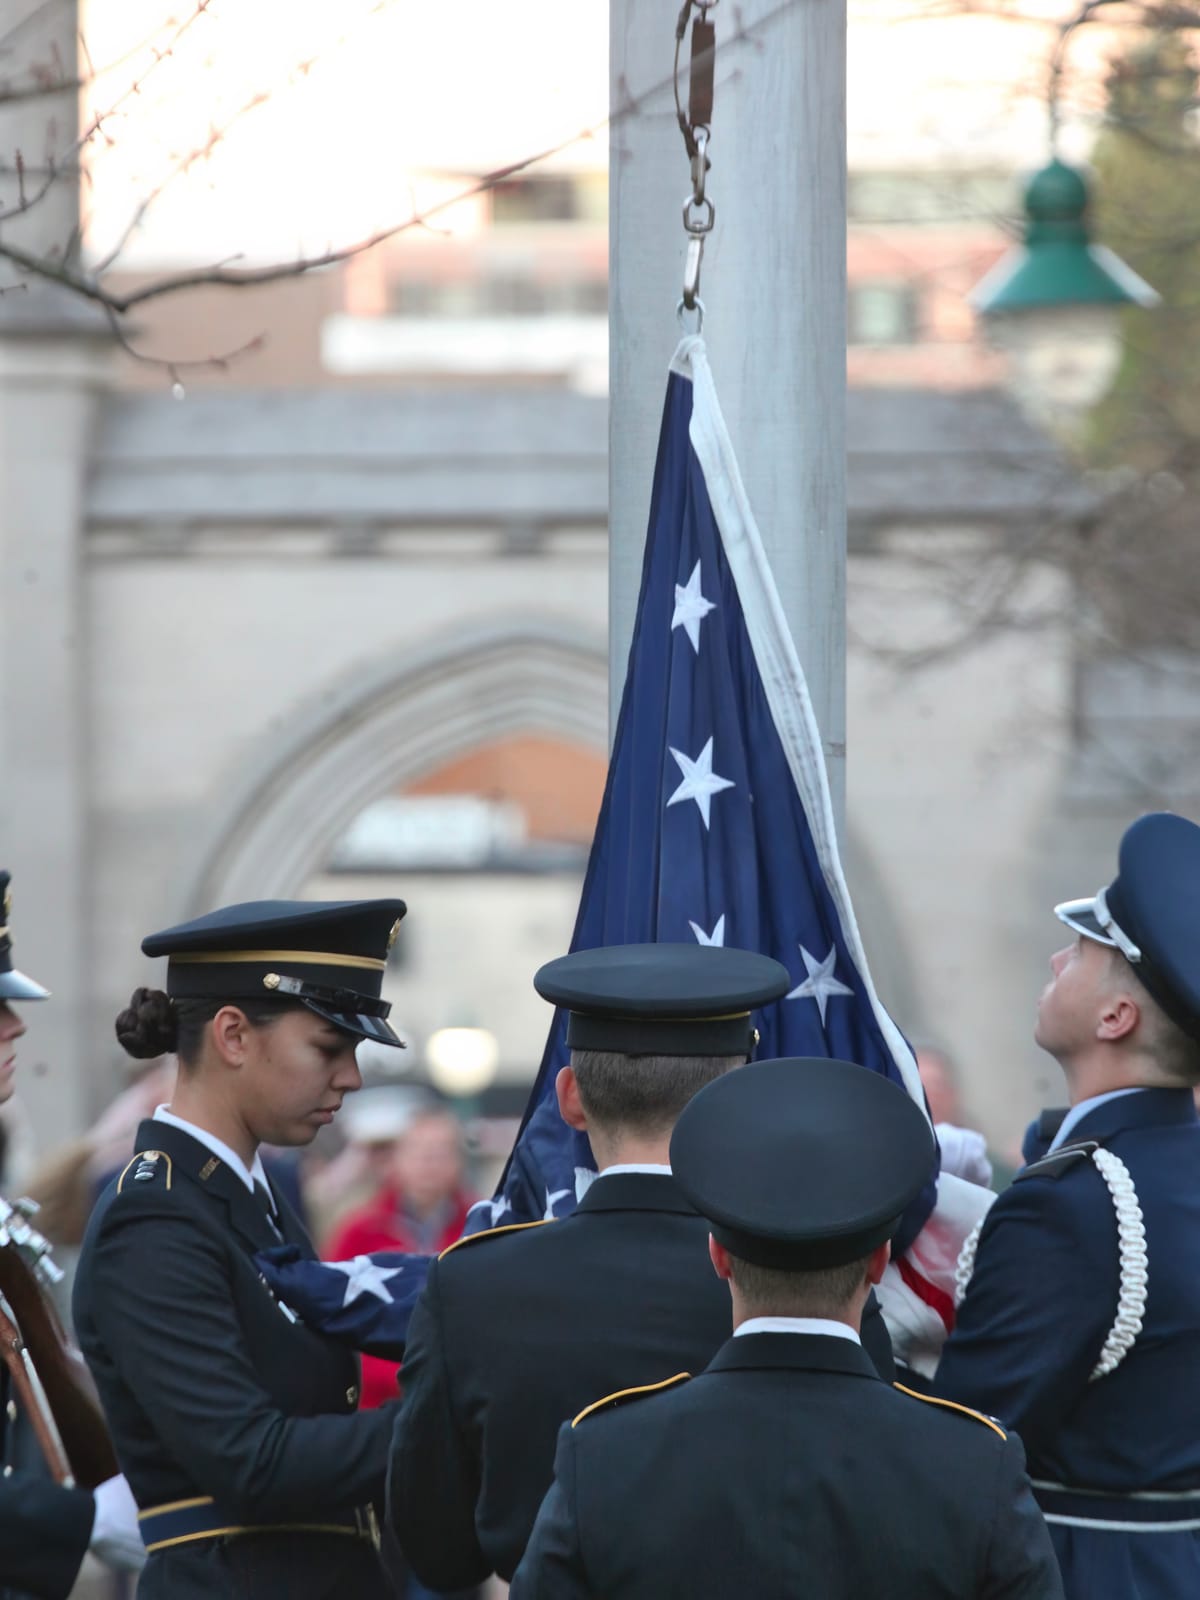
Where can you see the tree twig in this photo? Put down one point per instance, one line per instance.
(88, 285)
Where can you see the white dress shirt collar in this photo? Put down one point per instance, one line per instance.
(636, 1166)
(821, 1325)
(248, 1174)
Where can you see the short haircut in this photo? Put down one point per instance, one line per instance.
(644, 1094)
(783, 1292)
(1175, 1053)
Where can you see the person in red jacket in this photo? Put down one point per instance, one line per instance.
(420, 1207)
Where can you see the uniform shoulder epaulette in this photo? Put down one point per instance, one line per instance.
(1058, 1161)
(148, 1166)
(489, 1233)
(953, 1405)
(623, 1396)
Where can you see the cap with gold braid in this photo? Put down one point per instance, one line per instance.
(330, 955)
(662, 999)
(14, 985)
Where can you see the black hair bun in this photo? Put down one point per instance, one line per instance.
(149, 1025)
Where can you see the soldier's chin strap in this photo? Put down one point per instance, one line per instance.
(1112, 928)
(1131, 1251)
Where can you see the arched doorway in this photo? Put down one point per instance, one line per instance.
(274, 826)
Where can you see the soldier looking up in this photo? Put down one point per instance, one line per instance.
(1081, 1321)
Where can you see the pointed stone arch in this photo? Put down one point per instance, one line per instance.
(386, 725)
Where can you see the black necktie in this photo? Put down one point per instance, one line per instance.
(263, 1195)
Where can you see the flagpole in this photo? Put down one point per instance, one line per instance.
(773, 287)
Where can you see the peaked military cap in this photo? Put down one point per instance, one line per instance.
(662, 999)
(14, 985)
(802, 1163)
(328, 954)
(1150, 912)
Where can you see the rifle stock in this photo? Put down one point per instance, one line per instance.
(62, 1375)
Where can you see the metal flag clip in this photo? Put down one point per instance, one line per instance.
(699, 212)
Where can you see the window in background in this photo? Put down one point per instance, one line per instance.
(882, 313)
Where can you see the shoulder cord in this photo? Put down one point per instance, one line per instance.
(964, 1270)
(1134, 1263)
(1131, 1248)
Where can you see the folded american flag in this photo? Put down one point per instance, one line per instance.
(365, 1302)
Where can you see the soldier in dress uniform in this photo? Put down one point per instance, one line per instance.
(1081, 1323)
(237, 1426)
(518, 1328)
(786, 1468)
(45, 1529)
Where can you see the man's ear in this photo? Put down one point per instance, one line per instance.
(877, 1261)
(231, 1035)
(566, 1087)
(1120, 1016)
(719, 1257)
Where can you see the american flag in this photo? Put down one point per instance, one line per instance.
(716, 823)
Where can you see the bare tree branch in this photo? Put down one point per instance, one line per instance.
(89, 285)
(52, 80)
(56, 170)
(172, 367)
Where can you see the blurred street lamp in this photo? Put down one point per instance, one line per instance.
(462, 1061)
(1054, 303)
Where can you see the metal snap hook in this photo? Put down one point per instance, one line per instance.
(704, 221)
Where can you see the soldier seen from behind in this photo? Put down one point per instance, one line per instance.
(785, 1467)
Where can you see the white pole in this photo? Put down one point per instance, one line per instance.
(774, 290)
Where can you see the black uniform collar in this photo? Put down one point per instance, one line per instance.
(1148, 1108)
(215, 1177)
(635, 1191)
(793, 1352)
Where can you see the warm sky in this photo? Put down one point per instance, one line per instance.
(358, 91)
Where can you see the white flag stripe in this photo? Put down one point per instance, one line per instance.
(779, 666)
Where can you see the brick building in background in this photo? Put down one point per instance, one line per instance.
(512, 287)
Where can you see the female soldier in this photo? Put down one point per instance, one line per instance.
(236, 1425)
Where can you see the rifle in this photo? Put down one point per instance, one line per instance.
(48, 1373)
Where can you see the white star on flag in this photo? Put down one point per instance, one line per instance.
(716, 937)
(498, 1208)
(551, 1201)
(364, 1277)
(820, 984)
(691, 608)
(700, 782)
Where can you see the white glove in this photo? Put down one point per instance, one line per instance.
(116, 1538)
(964, 1153)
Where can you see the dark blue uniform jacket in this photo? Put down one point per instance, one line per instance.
(1034, 1320)
(211, 1390)
(518, 1331)
(44, 1529)
(787, 1470)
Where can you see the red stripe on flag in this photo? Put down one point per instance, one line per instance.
(936, 1299)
